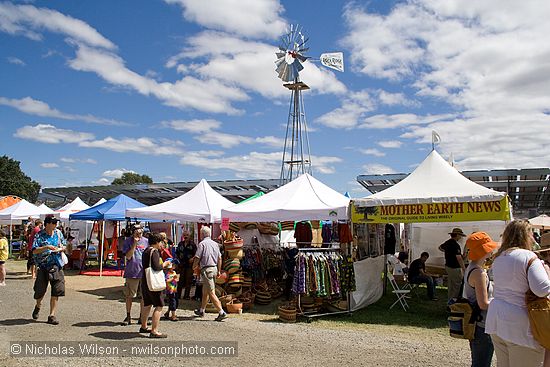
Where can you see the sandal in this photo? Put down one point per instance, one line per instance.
(174, 318)
(158, 336)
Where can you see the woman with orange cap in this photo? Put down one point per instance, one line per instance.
(478, 289)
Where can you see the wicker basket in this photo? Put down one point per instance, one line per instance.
(232, 266)
(234, 306)
(263, 298)
(287, 313)
(235, 244)
(225, 299)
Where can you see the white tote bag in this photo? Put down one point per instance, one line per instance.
(155, 279)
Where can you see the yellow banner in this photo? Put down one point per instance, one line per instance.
(432, 212)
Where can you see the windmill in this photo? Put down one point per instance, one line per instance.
(291, 55)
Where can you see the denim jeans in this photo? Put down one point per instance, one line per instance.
(430, 285)
(481, 348)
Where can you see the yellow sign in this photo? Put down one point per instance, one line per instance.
(432, 212)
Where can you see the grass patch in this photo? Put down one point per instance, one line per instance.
(423, 312)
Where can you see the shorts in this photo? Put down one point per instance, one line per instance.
(56, 280)
(132, 287)
(208, 277)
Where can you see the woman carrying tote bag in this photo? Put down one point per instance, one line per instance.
(152, 263)
(507, 318)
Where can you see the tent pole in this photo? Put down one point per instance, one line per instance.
(11, 237)
(102, 244)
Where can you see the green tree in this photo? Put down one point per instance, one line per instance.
(13, 181)
(130, 178)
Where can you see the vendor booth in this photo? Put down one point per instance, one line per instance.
(113, 210)
(432, 200)
(303, 205)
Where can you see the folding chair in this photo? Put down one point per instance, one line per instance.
(412, 287)
(401, 294)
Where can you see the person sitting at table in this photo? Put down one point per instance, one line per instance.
(417, 275)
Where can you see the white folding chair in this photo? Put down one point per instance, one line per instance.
(401, 294)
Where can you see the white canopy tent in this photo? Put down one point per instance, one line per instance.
(18, 212)
(540, 222)
(46, 210)
(201, 204)
(99, 202)
(73, 207)
(304, 198)
(433, 181)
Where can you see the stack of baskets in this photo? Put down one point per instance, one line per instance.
(263, 295)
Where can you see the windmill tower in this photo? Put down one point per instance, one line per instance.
(296, 154)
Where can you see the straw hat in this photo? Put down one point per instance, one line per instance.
(480, 244)
(457, 231)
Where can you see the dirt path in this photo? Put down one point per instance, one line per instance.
(92, 310)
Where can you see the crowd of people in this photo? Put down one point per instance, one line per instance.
(498, 291)
(519, 264)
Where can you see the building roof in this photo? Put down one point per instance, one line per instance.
(527, 188)
(150, 194)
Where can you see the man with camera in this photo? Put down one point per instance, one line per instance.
(47, 248)
(133, 251)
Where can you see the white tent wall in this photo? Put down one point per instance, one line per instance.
(428, 236)
(368, 282)
(264, 240)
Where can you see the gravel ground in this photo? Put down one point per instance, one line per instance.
(92, 309)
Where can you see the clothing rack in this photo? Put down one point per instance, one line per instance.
(310, 315)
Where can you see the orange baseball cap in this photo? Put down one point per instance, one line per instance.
(480, 244)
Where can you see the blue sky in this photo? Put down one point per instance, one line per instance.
(186, 89)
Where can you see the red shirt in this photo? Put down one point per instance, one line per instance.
(31, 237)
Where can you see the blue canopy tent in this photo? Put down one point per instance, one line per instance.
(113, 209)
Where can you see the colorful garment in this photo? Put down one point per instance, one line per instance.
(47, 259)
(171, 282)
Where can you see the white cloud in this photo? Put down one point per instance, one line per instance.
(193, 126)
(400, 120)
(137, 145)
(224, 140)
(50, 134)
(38, 108)
(488, 61)
(49, 165)
(103, 181)
(15, 61)
(75, 160)
(262, 18)
(271, 141)
(356, 105)
(248, 64)
(390, 143)
(372, 151)
(29, 20)
(189, 92)
(116, 173)
(377, 169)
(396, 99)
(253, 164)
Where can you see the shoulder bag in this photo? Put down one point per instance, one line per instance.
(538, 309)
(155, 279)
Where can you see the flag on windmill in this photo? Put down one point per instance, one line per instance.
(333, 60)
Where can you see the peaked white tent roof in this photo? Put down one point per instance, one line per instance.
(73, 207)
(433, 181)
(305, 198)
(541, 222)
(99, 202)
(200, 204)
(20, 211)
(45, 209)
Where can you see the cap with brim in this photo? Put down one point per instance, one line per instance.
(480, 244)
(457, 231)
(51, 220)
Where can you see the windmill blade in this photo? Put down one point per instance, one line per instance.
(302, 44)
(302, 58)
(298, 66)
(281, 55)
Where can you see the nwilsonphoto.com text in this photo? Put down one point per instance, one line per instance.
(124, 349)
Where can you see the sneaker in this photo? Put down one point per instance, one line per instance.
(221, 317)
(199, 313)
(52, 320)
(127, 321)
(35, 313)
(3, 284)
(144, 331)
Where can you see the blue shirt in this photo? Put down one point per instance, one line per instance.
(47, 259)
